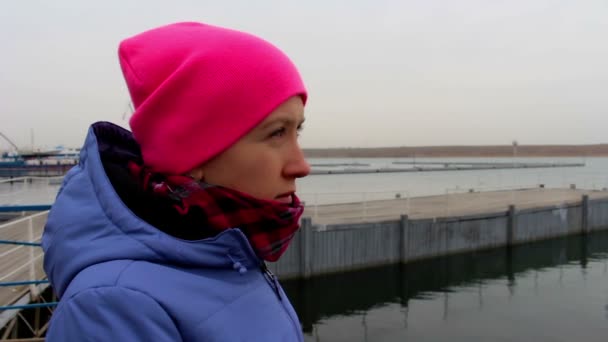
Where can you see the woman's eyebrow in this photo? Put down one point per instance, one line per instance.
(285, 121)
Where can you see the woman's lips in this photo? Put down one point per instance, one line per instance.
(285, 198)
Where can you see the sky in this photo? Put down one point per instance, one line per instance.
(379, 73)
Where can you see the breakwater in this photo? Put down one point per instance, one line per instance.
(432, 166)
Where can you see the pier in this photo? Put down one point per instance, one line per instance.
(352, 236)
(444, 206)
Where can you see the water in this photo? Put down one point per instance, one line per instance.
(29, 191)
(555, 290)
(323, 189)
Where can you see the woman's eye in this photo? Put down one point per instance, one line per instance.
(278, 133)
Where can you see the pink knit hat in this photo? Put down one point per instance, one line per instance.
(198, 88)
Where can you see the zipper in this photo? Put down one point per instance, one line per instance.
(274, 283)
(272, 279)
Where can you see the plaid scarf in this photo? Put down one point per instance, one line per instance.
(268, 225)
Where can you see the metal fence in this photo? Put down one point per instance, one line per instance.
(22, 277)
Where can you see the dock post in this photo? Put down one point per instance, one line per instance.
(403, 238)
(585, 214)
(305, 247)
(511, 224)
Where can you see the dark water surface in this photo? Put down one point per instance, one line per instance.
(555, 290)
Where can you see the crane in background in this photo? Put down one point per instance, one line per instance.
(9, 141)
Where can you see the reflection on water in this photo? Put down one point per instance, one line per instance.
(549, 291)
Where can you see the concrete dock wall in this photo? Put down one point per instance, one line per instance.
(540, 224)
(342, 249)
(597, 215)
(431, 238)
(318, 250)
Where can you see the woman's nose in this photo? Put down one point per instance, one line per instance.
(297, 166)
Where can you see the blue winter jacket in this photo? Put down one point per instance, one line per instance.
(121, 279)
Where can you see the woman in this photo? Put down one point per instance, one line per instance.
(161, 234)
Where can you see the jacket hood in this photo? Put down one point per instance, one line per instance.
(90, 224)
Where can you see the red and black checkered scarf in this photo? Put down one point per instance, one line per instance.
(268, 225)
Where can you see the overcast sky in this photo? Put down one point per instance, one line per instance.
(379, 72)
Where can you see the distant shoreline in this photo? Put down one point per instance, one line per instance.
(600, 150)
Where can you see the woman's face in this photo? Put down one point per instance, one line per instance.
(266, 162)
